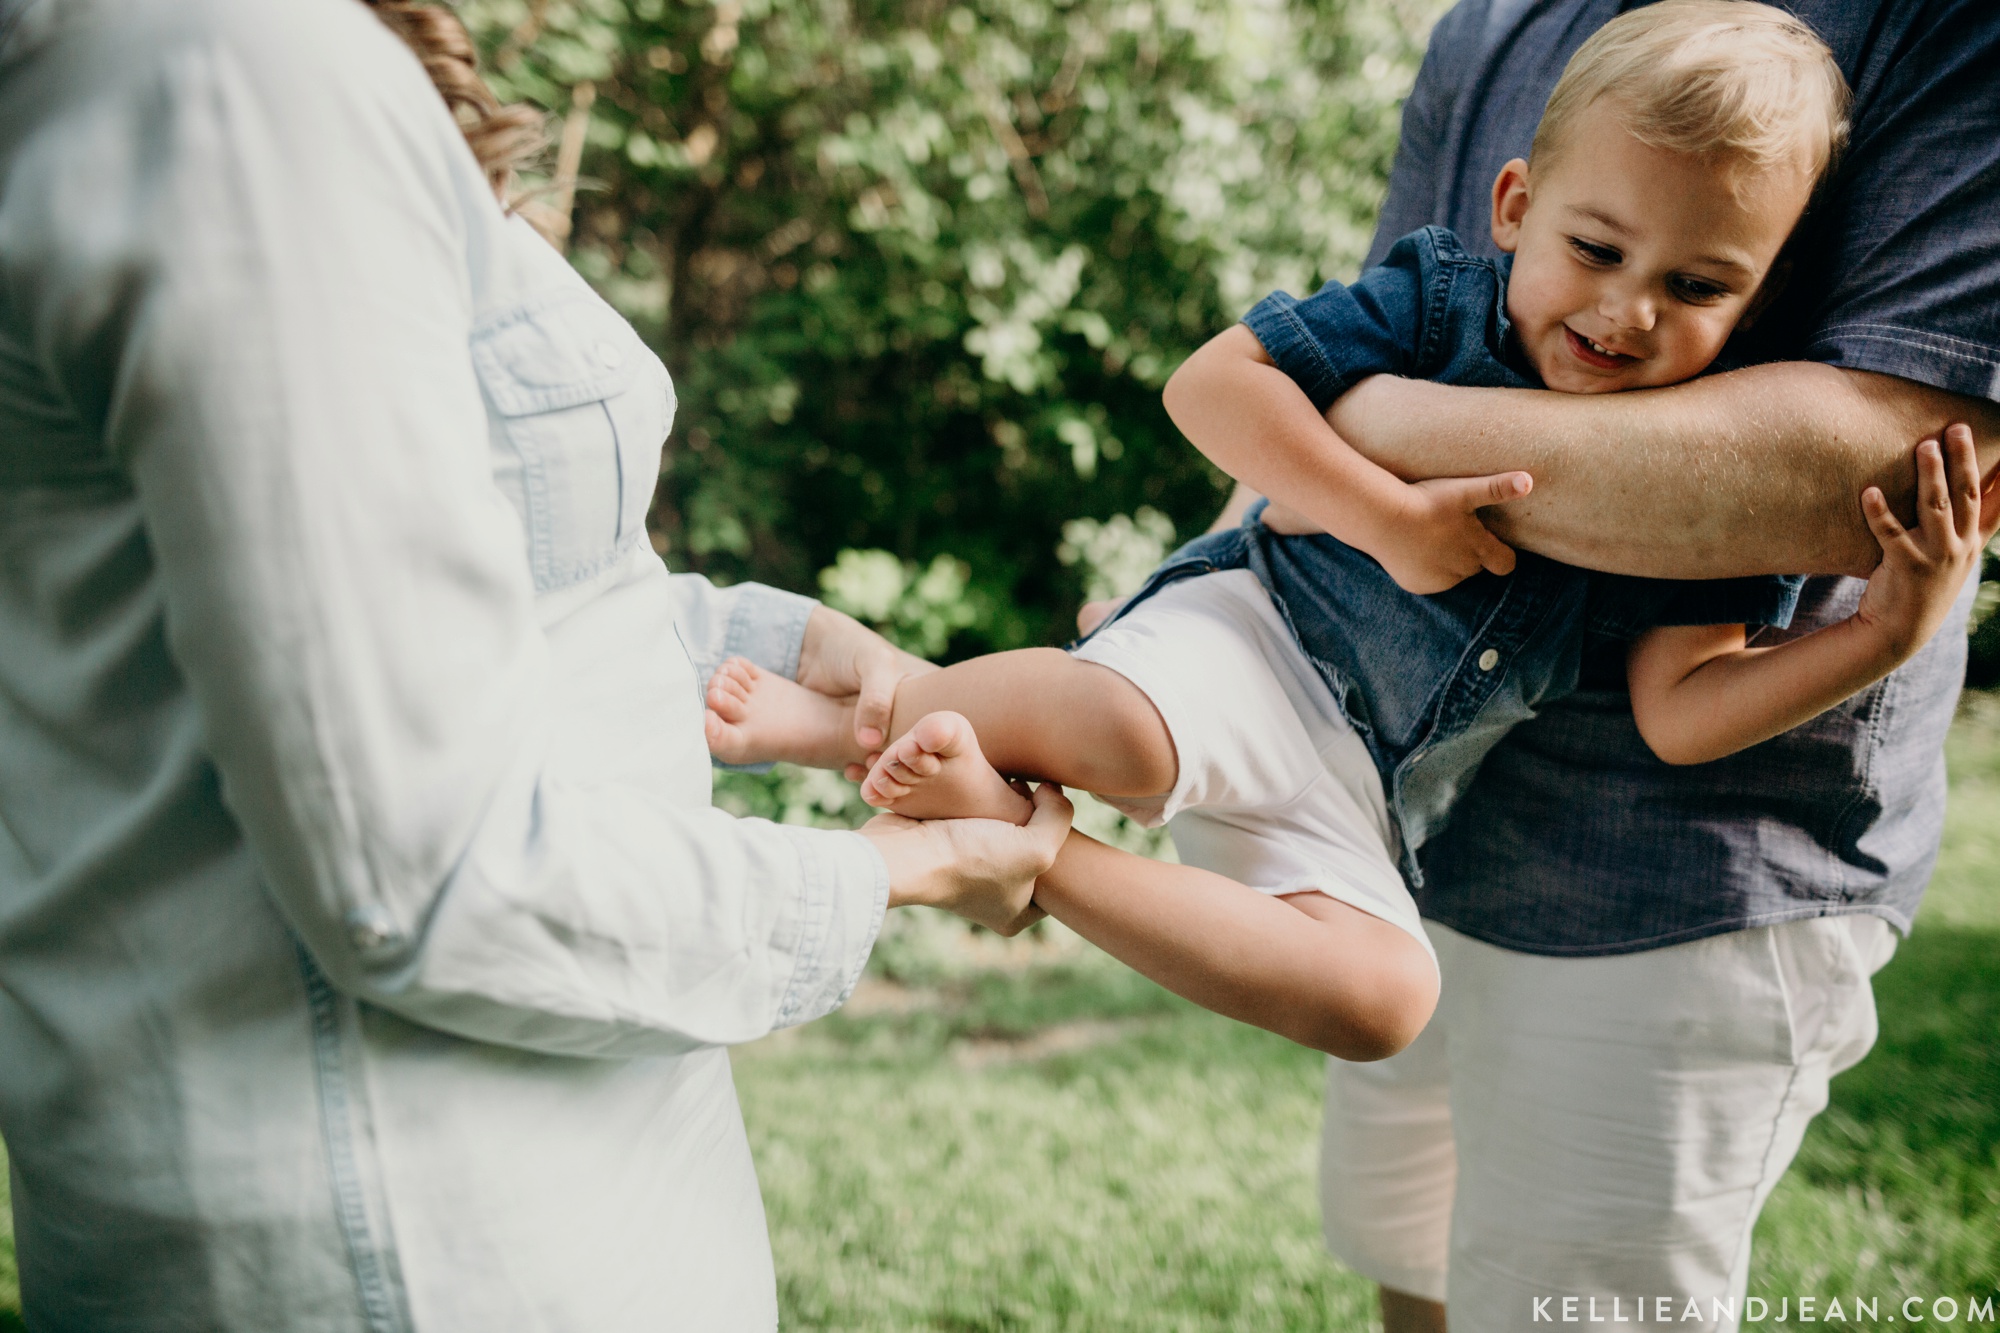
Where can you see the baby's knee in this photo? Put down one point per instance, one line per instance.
(1138, 735)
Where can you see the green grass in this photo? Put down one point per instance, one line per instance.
(1029, 1137)
(1066, 1147)
(1897, 1189)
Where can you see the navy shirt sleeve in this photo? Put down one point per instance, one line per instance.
(1344, 333)
(1623, 606)
(1899, 265)
(1417, 178)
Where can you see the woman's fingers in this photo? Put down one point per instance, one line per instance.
(982, 869)
(841, 656)
(880, 673)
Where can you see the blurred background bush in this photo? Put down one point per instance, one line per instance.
(920, 270)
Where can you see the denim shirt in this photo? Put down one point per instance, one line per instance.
(369, 940)
(1432, 683)
(1573, 839)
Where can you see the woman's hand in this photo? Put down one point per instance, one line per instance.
(981, 869)
(842, 657)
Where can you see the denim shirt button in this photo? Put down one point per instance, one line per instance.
(371, 932)
(1489, 659)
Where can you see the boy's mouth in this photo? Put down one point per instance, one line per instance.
(1594, 353)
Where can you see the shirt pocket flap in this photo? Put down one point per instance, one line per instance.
(561, 352)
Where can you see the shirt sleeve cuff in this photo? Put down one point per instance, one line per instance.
(1956, 365)
(768, 626)
(747, 620)
(843, 895)
(1293, 349)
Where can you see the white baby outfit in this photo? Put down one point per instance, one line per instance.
(1276, 790)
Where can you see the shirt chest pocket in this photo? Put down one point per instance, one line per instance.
(579, 407)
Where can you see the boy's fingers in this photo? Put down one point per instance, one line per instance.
(1882, 521)
(1961, 463)
(1495, 556)
(1933, 491)
(1989, 506)
(1498, 489)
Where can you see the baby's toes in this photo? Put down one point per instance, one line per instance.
(727, 703)
(725, 741)
(880, 790)
(937, 733)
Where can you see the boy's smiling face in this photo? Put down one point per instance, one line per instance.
(1633, 264)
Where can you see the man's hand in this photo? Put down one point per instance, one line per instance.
(842, 657)
(1092, 614)
(981, 869)
(1437, 541)
(1912, 590)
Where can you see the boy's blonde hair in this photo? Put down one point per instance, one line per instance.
(1714, 78)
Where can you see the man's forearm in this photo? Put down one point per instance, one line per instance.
(1758, 471)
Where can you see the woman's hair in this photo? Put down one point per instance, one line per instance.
(1714, 78)
(502, 137)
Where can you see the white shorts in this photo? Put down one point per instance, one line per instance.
(1275, 789)
(1603, 1129)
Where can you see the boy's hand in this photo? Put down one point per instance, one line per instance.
(1921, 572)
(1437, 540)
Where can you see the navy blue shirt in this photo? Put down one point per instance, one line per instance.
(1572, 838)
(1432, 683)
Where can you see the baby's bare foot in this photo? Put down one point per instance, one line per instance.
(755, 716)
(935, 770)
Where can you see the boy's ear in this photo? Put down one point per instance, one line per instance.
(1510, 204)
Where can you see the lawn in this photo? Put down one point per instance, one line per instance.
(1041, 1140)
(1023, 1135)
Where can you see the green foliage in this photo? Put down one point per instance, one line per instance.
(921, 270)
(916, 608)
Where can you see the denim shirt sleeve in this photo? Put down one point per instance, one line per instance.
(1899, 264)
(1623, 606)
(1344, 333)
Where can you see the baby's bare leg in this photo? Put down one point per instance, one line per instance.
(755, 716)
(1040, 713)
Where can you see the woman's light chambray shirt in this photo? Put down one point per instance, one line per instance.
(368, 943)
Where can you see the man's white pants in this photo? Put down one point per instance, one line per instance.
(1594, 1127)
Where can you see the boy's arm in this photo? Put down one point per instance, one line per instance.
(1698, 693)
(1255, 423)
(1308, 968)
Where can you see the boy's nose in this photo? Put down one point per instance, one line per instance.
(1630, 309)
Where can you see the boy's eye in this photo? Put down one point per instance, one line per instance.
(1593, 253)
(1696, 291)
